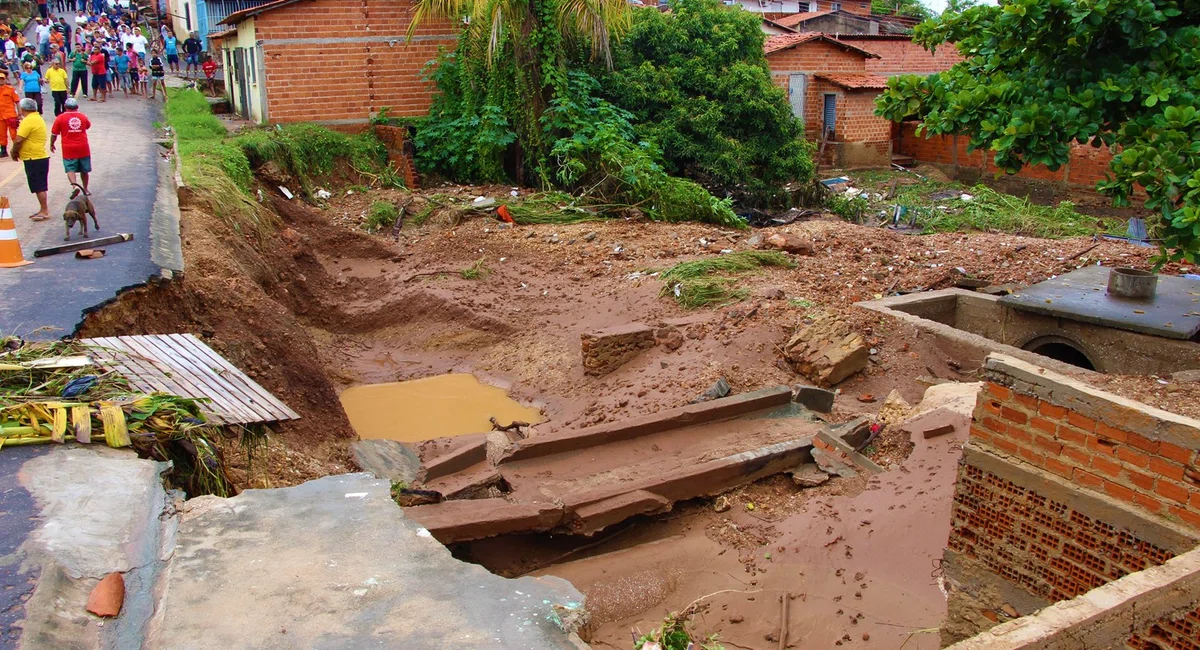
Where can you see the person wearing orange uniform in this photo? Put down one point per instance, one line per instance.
(8, 115)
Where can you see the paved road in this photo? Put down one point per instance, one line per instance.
(54, 291)
(18, 517)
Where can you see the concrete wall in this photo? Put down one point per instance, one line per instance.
(243, 46)
(356, 60)
(1062, 488)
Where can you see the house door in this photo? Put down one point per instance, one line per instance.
(239, 77)
(797, 89)
(829, 114)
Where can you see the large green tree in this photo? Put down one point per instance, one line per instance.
(697, 83)
(1042, 74)
(913, 8)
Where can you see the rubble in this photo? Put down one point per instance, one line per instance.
(826, 351)
(787, 243)
(815, 399)
(809, 475)
(607, 349)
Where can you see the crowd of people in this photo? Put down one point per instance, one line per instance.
(103, 49)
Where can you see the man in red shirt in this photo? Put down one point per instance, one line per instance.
(77, 154)
(99, 66)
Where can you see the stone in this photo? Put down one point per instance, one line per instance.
(830, 464)
(591, 236)
(607, 349)
(774, 293)
(826, 351)
(1186, 375)
(787, 243)
(107, 596)
(719, 389)
(809, 475)
(669, 337)
(815, 399)
(386, 459)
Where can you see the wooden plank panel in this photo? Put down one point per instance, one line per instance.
(230, 378)
(232, 374)
(203, 374)
(165, 378)
(186, 380)
(140, 376)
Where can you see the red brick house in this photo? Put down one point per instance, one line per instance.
(898, 54)
(832, 91)
(328, 61)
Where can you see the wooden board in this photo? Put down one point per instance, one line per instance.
(183, 365)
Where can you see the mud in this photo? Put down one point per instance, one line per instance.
(434, 407)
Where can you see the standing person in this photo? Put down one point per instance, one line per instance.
(43, 10)
(30, 148)
(79, 70)
(99, 65)
(122, 69)
(43, 35)
(9, 99)
(191, 49)
(171, 48)
(65, 28)
(31, 83)
(56, 78)
(138, 40)
(158, 74)
(12, 54)
(76, 152)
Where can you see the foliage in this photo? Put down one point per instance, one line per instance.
(381, 214)
(308, 151)
(991, 211)
(553, 208)
(695, 81)
(673, 635)
(1042, 74)
(478, 270)
(913, 8)
(851, 209)
(699, 282)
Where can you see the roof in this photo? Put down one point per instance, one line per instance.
(786, 41)
(772, 23)
(873, 37)
(856, 81)
(796, 19)
(220, 35)
(238, 16)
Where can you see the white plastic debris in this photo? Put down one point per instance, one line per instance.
(480, 199)
(286, 192)
(323, 194)
(514, 194)
(967, 197)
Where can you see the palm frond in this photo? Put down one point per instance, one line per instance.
(598, 21)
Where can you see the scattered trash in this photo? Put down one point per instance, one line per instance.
(721, 504)
(79, 386)
(83, 245)
(750, 505)
(90, 254)
(967, 197)
(505, 216)
(323, 194)
(286, 192)
(866, 398)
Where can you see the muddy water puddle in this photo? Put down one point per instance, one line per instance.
(431, 407)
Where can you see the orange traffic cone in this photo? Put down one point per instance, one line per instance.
(10, 247)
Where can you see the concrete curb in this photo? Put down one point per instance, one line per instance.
(684, 416)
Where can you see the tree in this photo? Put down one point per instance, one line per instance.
(914, 8)
(697, 83)
(959, 6)
(1041, 74)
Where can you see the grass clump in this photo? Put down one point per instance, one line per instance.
(476, 271)
(991, 211)
(706, 282)
(553, 208)
(673, 635)
(308, 151)
(381, 214)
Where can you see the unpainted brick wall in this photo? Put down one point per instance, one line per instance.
(903, 56)
(1086, 167)
(1178, 633)
(394, 139)
(311, 80)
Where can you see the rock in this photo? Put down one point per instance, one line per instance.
(826, 351)
(774, 293)
(755, 240)
(669, 337)
(830, 464)
(809, 475)
(815, 399)
(719, 389)
(721, 504)
(107, 596)
(866, 398)
(591, 236)
(386, 459)
(787, 243)
(607, 349)
(1186, 375)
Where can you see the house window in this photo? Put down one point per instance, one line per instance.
(812, 6)
(187, 16)
(835, 6)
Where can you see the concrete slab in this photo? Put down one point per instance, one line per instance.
(98, 511)
(334, 563)
(1081, 295)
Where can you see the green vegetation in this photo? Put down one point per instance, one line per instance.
(673, 635)
(911, 8)
(476, 271)
(554, 208)
(1044, 74)
(218, 166)
(696, 83)
(523, 92)
(707, 281)
(991, 211)
(851, 209)
(381, 214)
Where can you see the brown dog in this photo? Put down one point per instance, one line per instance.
(77, 211)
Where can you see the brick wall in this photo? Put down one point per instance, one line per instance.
(902, 56)
(400, 156)
(1063, 488)
(332, 61)
(1087, 165)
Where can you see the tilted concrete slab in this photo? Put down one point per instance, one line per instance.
(334, 563)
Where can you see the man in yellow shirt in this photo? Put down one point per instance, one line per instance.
(56, 76)
(30, 148)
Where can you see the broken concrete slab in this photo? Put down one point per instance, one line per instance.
(386, 459)
(676, 418)
(831, 464)
(837, 445)
(334, 563)
(446, 456)
(602, 514)
(457, 521)
(826, 350)
(605, 350)
(100, 511)
(809, 475)
(471, 483)
(815, 399)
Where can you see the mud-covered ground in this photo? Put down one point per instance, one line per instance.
(318, 304)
